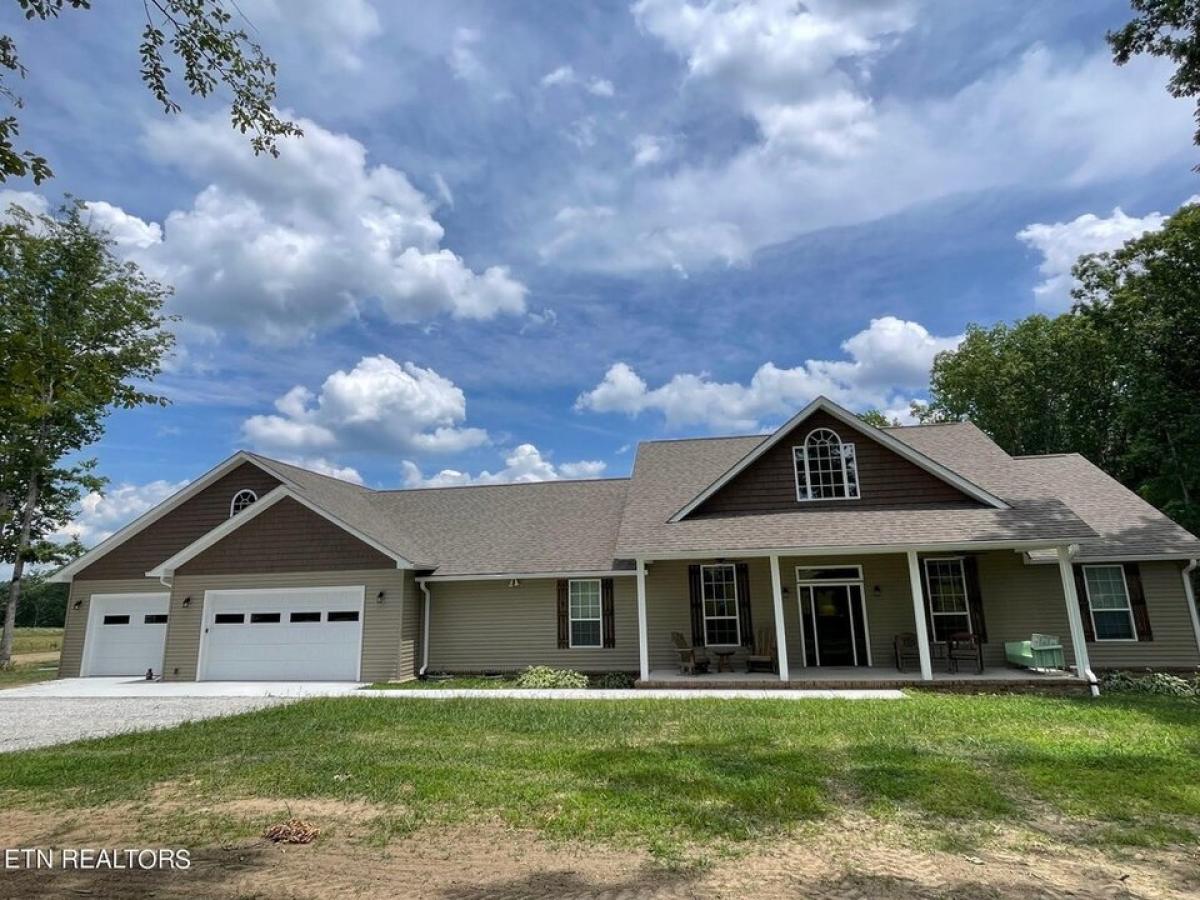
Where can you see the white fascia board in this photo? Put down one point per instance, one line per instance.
(851, 549)
(167, 567)
(69, 571)
(849, 419)
(1112, 558)
(530, 576)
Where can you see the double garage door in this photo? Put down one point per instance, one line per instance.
(287, 634)
(293, 634)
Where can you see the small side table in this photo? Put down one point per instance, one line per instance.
(724, 658)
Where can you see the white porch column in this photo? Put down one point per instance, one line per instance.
(643, 640)
(1191, 597)
(780, 637)
(1083, 665)
(918, 598)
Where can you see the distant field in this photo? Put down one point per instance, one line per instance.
(37, 640)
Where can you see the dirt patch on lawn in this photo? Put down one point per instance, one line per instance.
(850, 859)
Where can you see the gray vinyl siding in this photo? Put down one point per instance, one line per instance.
(1174, 644)
(381, 650)
(75, 630)
(410, 630)
(486, 625)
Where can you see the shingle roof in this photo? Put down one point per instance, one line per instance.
(668, 473)
(583, 526)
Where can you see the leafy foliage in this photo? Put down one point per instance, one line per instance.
(612, 681)
(80, 334)
(877, 418)
(198, 33)
(1168, 28)
(43, 603)
(1116, 379)
(547, 677)
(1157, 683)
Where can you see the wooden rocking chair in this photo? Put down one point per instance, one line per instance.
(691, 660)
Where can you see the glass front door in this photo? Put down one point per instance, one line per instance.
(834, 630)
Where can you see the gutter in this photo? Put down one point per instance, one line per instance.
(424, 630)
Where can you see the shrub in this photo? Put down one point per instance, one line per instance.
(610, 680)
(547, 677)
(1157, 683)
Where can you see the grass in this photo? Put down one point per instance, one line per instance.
(674, 777)
(27, 673)
(36, 640)
(458, 682)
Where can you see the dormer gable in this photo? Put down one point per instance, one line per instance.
(827, 458)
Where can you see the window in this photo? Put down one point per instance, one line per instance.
(348, 615)
(116, 620)
(1108, 600)
(826, 468)
(155, 619)
(229, 619)
(305, 617)
(718, 590)
(241, 500)
(949, 606)
(585, 608)
(263, 618)
(829, 573)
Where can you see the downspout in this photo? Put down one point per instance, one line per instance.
(1190, 593)
(424, 631)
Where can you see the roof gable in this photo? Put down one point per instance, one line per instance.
(844, 420)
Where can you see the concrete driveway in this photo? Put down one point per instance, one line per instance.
(70, 709)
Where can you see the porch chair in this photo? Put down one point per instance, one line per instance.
(691, 660)
(1041, 651)
(764, 656)
(907, 649)
(964, 646)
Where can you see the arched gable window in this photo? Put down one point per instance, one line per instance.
(241, 500)
(826, 468)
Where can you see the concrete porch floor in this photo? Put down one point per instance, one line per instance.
(800, 677)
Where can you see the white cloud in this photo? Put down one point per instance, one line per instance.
(647, 150)
(887, 359)
(524, 463)
(600, 87)
(101, 515)
(830, 149)
(463, 59)
(323, 466)
(280, 249)
(339, 29)
(1062, 243)
(27, 200)
(378, 406)
(563, 75)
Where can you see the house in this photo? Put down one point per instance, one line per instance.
(829, 537)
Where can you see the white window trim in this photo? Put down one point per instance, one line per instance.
(803, 449)
(737, 609)
(572, 618)
(234, 499)
(962, 571)
(857, 579)
(1128, 607)
(858, 582)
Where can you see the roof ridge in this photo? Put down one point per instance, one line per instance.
(502, 484)
(280, 462)
(1049, 455)
(708, 437)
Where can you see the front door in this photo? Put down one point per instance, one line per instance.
(832, 616)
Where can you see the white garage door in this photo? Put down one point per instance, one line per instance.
(290, 634)
(126, 634)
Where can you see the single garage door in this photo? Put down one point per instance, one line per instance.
(287, 634)
(126, 634)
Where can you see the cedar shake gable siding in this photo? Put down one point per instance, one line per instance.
(886, 480)
(288, 537)
(177, 529)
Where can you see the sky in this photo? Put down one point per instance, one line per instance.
(516, 239)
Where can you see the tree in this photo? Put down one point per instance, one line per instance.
(878, 418)
(201, 37)
(1146, 298)
(80, 334)
(1169, 28)
(43, 603)
(1041, 385)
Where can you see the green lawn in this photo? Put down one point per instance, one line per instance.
(458, 682)
(671, 776)
(27, 673)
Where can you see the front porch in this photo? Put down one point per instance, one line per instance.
(996, 678)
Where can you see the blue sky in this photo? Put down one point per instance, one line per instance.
(518, 238)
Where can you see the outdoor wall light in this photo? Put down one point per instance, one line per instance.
(77, 604)
(785, 590)
(514, 582)
(877, 591)
(187, 601)
(379, 597)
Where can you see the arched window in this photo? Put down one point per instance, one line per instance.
(241, 500)
(825, 467)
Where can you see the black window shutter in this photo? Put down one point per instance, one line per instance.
(697, 607)
(607, 624)
(1085, 613)
(1137, 601)
(975, 597)
(564, 615)
(926, 605)
(742, 573)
